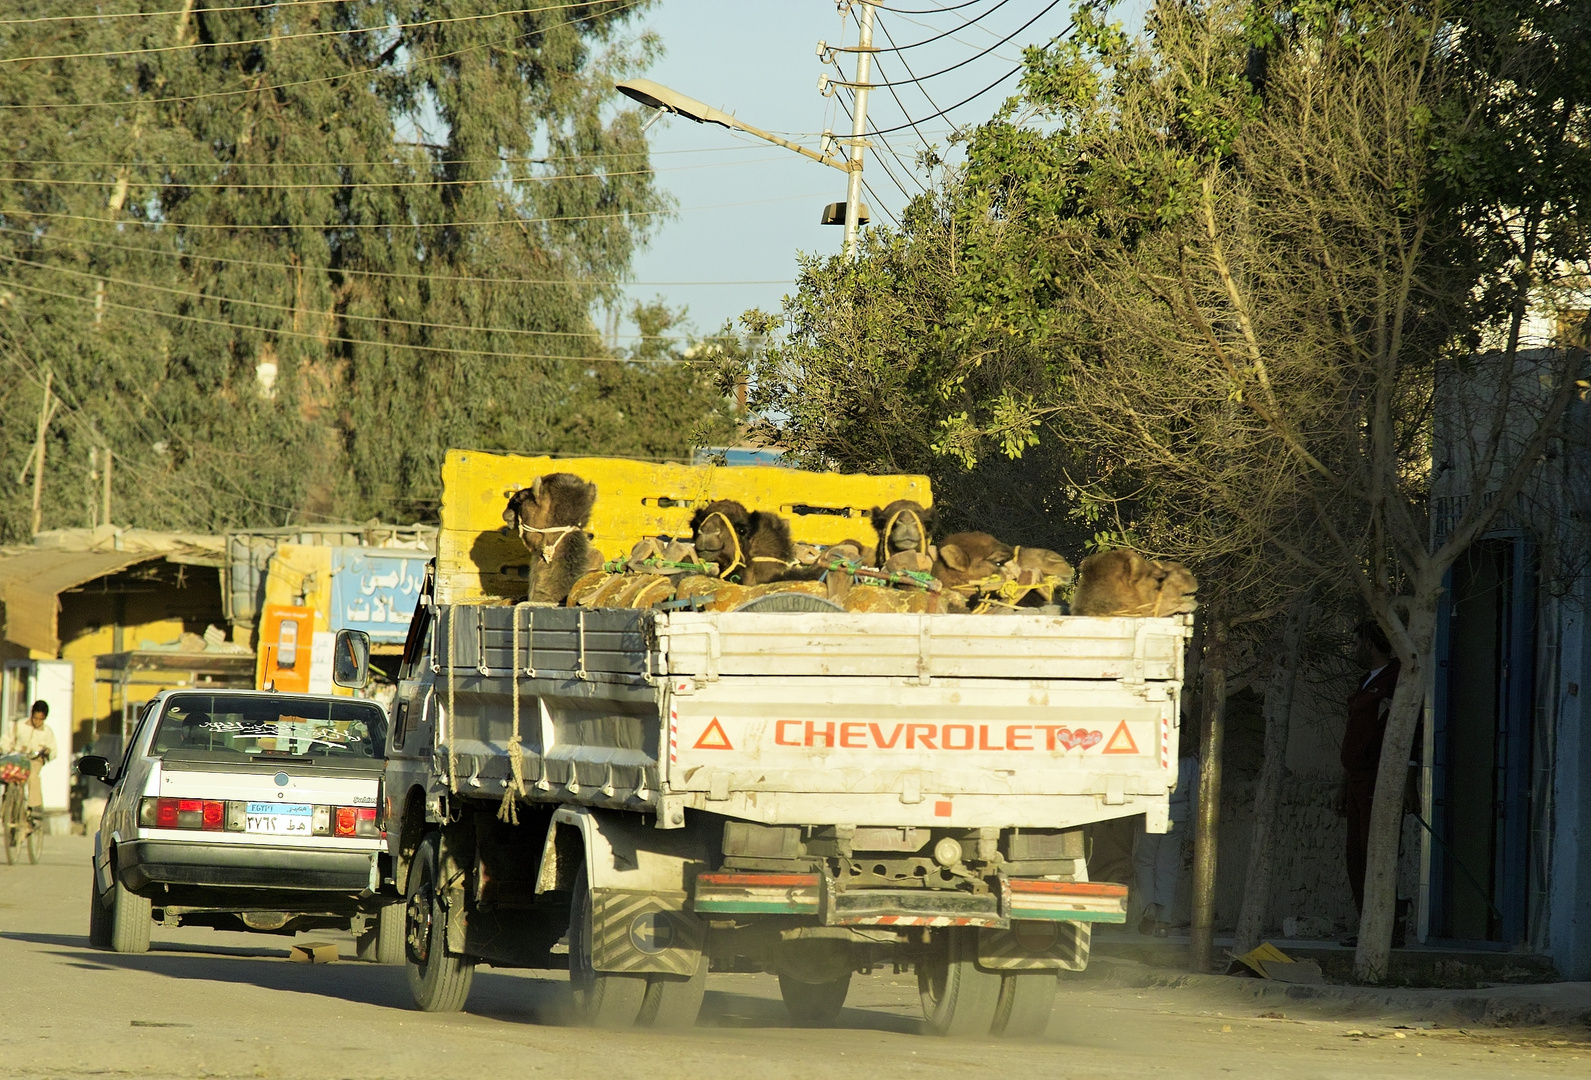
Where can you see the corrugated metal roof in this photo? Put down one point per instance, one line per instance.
(31, 580)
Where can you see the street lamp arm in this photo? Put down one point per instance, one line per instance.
(656, 96)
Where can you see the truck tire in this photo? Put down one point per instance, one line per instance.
(129, 918)
(814, 1004)
(673, 1002)
(1025, 1004)
(438, 981)
(98, 917)
(382, 940)
(959, 1000)
(601, 999)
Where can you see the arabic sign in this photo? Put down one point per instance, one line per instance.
(375, 591)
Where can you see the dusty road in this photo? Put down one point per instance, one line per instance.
(207, 1004)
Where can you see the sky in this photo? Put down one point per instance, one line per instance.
(746, 208)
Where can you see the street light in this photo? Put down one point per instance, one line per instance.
(657, 96)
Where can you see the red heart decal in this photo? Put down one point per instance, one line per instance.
(1085, 739)
(1066, 738)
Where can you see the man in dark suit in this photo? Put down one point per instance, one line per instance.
(1368, 707)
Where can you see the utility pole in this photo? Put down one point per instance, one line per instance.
(864, 74)
(105, 515)
(38, 451)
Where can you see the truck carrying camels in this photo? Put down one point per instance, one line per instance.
(677, 719)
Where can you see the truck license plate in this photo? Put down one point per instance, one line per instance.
(278, 818)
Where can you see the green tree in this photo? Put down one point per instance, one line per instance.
(1225, 273)
(280, 256)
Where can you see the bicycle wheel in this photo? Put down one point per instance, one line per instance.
(35, 827)
(9, 823)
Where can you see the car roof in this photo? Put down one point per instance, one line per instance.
(271, 695)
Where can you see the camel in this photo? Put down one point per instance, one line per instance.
(750, 548)
(966, 557)
(551, 517)
(903, 525)
(1123, 582)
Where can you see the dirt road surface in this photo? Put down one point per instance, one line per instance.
(209, 1004)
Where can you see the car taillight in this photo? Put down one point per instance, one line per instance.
(182, 814)
(357, 821)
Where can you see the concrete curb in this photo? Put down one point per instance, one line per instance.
(1556, 1004)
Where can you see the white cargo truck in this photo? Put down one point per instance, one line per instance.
(660, 793)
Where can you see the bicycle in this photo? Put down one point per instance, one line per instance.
(19, 822)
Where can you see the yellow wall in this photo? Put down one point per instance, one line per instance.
(87, 631)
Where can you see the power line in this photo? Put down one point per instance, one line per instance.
(433, 182)
(106, 16)
(279, 38)
(338, 226)
(961, 63)
(13, 283)
(352, 272)
(928, 11)
(963, 101)
(262, 305)
(509, 159)
(928, 41)
(921, 89)
(430, 58)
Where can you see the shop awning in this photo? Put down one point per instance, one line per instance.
(31, 582)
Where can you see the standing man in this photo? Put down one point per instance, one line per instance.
(1157, 858)
(35, 741)
(1368, 707)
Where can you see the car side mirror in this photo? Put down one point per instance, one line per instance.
(351, 664)
(95, 766)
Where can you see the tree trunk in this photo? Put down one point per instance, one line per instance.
(1267, 794)
(1207, 817)
(1386, 813)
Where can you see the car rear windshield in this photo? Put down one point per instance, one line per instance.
(227, 726)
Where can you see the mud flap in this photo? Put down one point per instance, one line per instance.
(644, 932)
(1035, 945)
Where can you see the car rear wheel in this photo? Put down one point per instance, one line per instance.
(601, 999)
(1025, 1004)
(438, 981)
(129, 917)
(382, 940)
(959, 999)
(814, 1004)
(98, 917)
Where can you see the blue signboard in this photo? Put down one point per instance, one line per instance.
(375, 591)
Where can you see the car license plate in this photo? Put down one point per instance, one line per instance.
(282, 819)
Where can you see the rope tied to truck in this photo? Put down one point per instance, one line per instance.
(561, 531)
(515, 789)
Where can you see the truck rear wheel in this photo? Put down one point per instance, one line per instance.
(382, 940)
(601, 999)
(1025, 1004)
(439, 982)
(674, 1001)
(814, 1004)
(959, 1000)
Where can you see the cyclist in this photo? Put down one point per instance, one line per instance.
(33, 740)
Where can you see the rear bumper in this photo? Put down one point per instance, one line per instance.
(144, 863)
(813, 894)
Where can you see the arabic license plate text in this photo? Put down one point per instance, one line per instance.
(278, 819)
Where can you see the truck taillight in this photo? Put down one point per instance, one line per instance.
(162, 813)
(357, 821)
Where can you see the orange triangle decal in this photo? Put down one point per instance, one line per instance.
(1121, 741)
(715, 739)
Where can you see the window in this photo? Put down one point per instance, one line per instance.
(268, 727)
